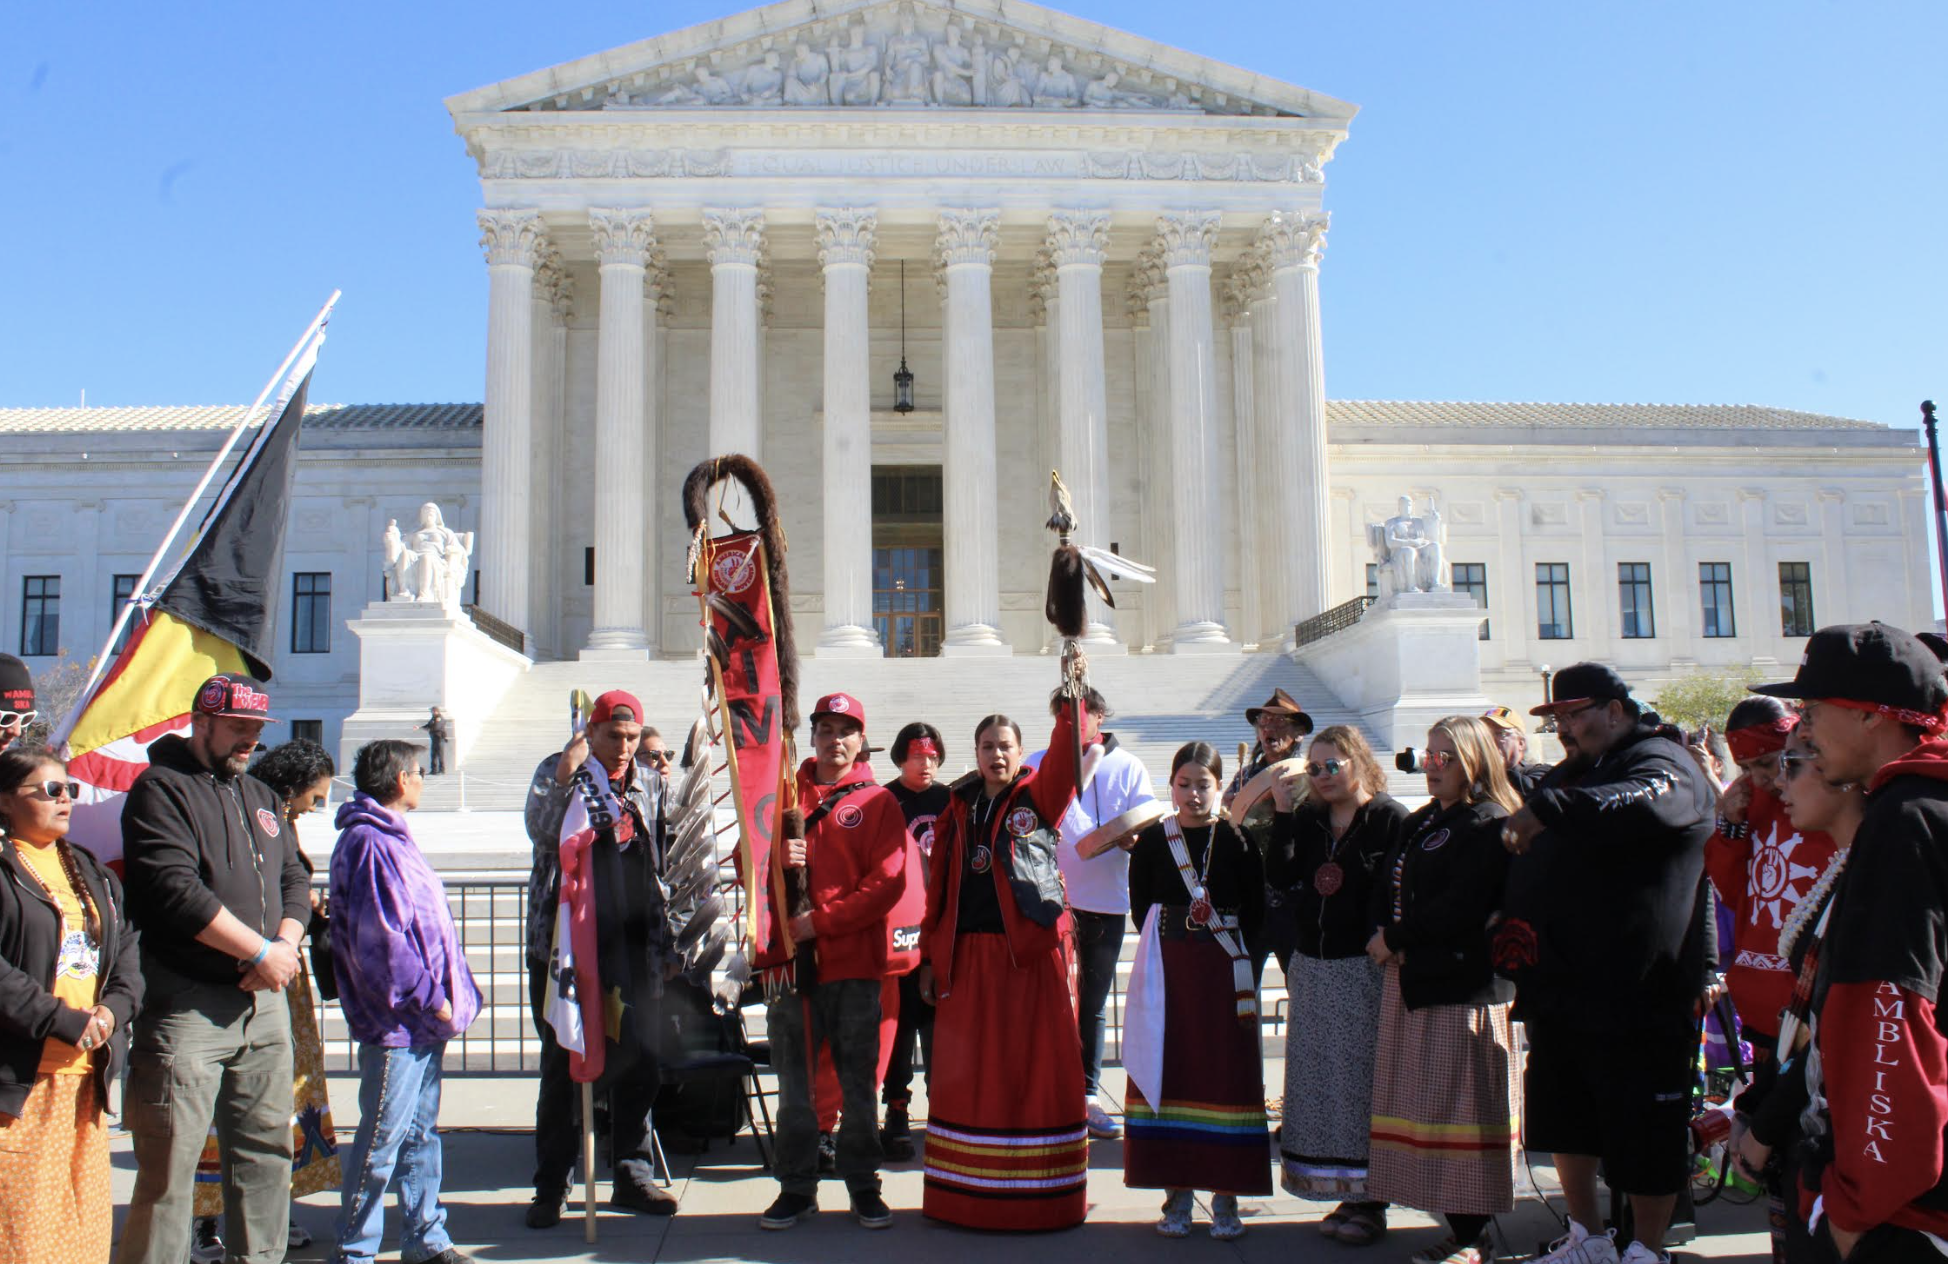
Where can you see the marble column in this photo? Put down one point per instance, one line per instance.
(623, 243)
(1077, 243)
(657, 556)
(1198, 556)
(1046, 308)
(1756, 617)
(1294, 243)
(735, 237)
(845, 253)
(554, 292)
(1675, 598)
(514, 241)
(965, 248)
(1248, 517)
(1161, 536)
(1274, 559)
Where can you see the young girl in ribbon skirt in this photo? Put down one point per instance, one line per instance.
(1196, 1106)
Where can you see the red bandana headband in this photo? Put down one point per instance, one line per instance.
(922, 746)
(1755, 740)
(1932, 722)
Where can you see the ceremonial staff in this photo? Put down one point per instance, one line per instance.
(1940, 508)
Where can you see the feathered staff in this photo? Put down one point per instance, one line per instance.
(1073, 569)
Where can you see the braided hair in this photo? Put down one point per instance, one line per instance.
(18, 765)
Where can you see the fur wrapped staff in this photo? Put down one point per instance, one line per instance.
(751, 709)
(1073, 570)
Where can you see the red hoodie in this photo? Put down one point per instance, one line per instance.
(1762, 870)
(1883, 1048)
(857, 855)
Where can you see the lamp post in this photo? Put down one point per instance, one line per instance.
(1548, 724)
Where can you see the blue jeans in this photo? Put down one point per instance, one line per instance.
(1098, 943)
(398, 1142)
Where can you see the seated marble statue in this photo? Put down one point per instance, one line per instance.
(906, 64)
(953, 74)
(429, 565)
(1007, 84)
(1103, 94)
(855, 69)
(806, 85)
(1058, 88)
(764, 83)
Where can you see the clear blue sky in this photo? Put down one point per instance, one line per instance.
(1674, 202)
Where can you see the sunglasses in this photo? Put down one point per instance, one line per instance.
(1792, 763)
(56, 789)
(657, 757)
(1331, 768)
(23, 718)
(1435, 760)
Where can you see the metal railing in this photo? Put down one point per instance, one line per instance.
(1337, 619)
(499, 629)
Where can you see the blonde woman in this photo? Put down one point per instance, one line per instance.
(1327, 852)
(1443, 1088)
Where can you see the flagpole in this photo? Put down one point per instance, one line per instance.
(588, 1161)
(100, 663)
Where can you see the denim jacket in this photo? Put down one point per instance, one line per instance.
(547, 804)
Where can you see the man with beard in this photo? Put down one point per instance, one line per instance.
(16, 700)
(222, 898)
(1603, 936)
(1874, 699)
(1512, 740)
(1280, 722)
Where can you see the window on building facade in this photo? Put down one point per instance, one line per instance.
(311, 612)
(124, 589)
(1715, 595)
(308, 731)
(1373, 580)
(1795, 599)
(1552, 617)
(40, 615)
(588, 567)
(1472, 578)
(1633, 597)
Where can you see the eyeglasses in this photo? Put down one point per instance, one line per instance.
(23, 718)
(1330, 768)
(416, 772)
(1792, 763)
(1435, 760)
(57, 789)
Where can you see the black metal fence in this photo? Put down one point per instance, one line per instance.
(1337, 619)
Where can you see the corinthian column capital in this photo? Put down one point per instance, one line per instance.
(622, 236)
(846, 236)
(735, 235)
(1184, 240)
(967, 236)
(512, 236)
(1294, 241)
(1078, 237)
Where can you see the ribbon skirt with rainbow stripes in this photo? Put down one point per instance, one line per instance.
(1007, 1146)
(1209, 1129)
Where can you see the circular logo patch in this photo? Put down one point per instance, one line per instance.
(982, 859)
(733, 572)
(213, 697)
(849, 815)
(838, 705)
(1022, 822)
(922, 831)
(267, 819)
(1435, 841)
(1328, 878)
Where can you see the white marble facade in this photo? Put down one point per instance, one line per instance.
(1114, 255)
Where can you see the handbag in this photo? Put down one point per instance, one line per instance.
(322, 974)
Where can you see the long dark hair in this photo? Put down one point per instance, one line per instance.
(18, 764)
(1204, 755)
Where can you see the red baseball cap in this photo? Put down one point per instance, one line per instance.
(237, 696)
(840, 704)
(617, 704)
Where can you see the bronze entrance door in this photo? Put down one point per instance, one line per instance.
(908, 606)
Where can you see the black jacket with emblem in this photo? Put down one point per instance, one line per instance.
(1445, 877)
(1600, 927)
(195, 841)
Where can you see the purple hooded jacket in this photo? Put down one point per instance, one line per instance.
(394, 947)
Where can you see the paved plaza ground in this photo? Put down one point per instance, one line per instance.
(488, 1124)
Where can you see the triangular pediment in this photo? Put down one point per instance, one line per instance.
(901, 54)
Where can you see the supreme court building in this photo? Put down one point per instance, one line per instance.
(1093, 254)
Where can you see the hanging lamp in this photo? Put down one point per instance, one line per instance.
(903, 379)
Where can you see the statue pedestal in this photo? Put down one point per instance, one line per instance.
(414, 656)
(1412, 659)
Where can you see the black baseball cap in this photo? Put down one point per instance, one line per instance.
(1580, 684)
(233, 695)
(1867, 662)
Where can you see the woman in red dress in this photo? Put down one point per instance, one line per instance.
(1007, 1142)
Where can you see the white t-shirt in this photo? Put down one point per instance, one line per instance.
(1121, 782)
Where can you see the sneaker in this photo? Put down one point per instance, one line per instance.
(1176, 1215)
(1101, 1126)
(788, 1210)
(205, 1246)
(645, 1196)
(871, 1210)
(828, 1154)
(297, 1237)
(1580, 1246)
(1225, 1223)
(1638, 1253)
(544, 1212)
(896, 1137)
